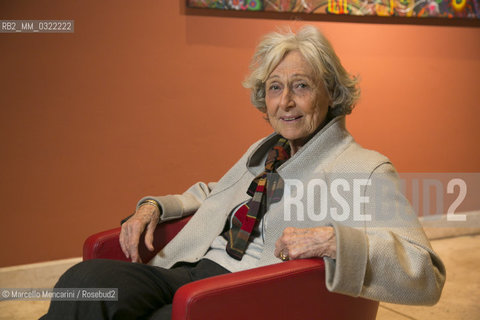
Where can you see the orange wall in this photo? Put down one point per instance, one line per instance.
(145, 99)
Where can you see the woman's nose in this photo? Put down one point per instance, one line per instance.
(286, 100)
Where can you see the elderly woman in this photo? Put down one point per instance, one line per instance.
(256, 214)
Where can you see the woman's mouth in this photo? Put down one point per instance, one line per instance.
(290, 118)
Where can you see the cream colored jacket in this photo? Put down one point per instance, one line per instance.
(387, 258)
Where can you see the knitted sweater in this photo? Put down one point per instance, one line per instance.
(382, 251)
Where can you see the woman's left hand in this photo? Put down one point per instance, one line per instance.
(298, 243)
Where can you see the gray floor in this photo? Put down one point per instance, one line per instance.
(460, 298)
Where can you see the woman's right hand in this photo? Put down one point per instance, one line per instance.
(146, 216)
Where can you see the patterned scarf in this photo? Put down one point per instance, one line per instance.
(248, 214)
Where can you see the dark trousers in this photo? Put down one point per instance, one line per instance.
(144, 292)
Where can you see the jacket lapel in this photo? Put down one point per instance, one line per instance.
(312, 158)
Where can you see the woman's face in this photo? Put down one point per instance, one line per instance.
(297, 103)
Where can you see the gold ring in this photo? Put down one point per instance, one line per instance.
(283, 256)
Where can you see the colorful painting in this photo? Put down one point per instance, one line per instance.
(399, 8)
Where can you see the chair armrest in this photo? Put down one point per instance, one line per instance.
(105, 245)
(289, 290)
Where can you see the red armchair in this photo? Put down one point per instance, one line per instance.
(289, 290)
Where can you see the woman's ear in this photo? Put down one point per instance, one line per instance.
(265, 116)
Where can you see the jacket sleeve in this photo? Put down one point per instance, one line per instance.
(180, 205)
(187, 203)
(388, 258)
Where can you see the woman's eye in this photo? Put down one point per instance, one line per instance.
(274, 87)
(301, 85)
